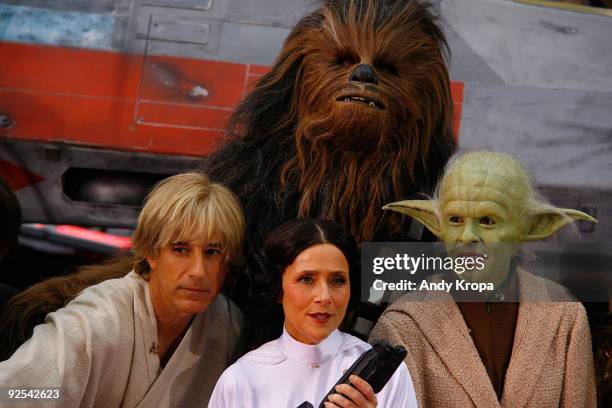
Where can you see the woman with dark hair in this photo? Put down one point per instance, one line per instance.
(309, 267)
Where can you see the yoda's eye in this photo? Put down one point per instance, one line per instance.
(487, 221)
(454, 219)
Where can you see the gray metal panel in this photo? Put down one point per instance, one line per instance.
(209, 10)
(190, 33)
(528, 45)
(565, 136)
(187, 4)
(45, 201)
(182, 29)
(121, 32)
(464, 62)
(239, 31)
(277, 13)
(179, 32)
(251, 43)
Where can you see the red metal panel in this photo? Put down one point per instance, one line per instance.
(99, 122)
(16, 176)
(457, 96)
(254, 73)
(189, 142)
(48, 69)
(251, 81)
(258, 69)
(171, 79)
(183, 115)
(97, 98)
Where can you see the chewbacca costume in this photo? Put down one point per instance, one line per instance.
(355, 113)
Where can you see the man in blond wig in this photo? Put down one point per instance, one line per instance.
(531, 351)
(159, 336)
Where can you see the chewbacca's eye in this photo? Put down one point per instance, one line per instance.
(346, 59)
(388, 68)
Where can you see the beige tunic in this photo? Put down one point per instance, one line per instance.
(551, 363)
(99, 351)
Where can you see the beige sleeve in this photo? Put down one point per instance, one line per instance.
(75, 351)
(579, 381)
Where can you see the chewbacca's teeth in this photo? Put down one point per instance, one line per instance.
(372, 104)
(347, 99)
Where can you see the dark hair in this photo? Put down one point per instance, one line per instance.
(280, 249)
(10, 218)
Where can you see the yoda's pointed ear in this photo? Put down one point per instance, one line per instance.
(420, 210)
(548, 220)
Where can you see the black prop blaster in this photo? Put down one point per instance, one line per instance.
(375, 366)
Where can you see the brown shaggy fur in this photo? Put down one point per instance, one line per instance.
(298, 149)
(371, 143)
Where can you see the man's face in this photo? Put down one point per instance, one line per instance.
(480, 217)
(186, 277)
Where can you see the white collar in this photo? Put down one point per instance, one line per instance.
(311, 354)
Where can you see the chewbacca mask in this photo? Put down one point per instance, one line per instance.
(355, 112)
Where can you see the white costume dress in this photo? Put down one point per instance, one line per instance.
(285, 373)
(99, 351)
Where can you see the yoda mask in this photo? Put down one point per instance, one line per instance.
(486, 207)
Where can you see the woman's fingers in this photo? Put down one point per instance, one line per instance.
(364, 387)
(337, 400)
(359, 395)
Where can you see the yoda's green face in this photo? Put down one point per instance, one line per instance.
(480, 216)
(480, 207)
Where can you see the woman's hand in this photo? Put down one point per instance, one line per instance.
(360, 395)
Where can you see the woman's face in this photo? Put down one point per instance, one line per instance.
(186, 277)
(316, 291)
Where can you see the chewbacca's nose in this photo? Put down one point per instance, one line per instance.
(364, 73)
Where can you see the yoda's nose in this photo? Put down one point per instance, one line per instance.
(468, 235)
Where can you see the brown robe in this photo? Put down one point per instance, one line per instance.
(551, 363)
(492, 325)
